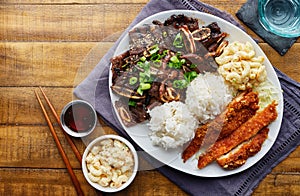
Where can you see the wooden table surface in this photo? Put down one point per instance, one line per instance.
(43, 43)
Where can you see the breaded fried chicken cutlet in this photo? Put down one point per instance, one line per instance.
(247, 130)
(242, 108)
(239, 155)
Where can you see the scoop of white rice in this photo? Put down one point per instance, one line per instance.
(207, 96)
(171, 125)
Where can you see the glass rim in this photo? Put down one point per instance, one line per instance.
(283, 32)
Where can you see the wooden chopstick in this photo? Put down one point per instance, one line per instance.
(61, 150)
(69, 140)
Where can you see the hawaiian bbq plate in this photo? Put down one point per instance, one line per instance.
(172, 157)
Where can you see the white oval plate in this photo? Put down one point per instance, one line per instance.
(172, 157)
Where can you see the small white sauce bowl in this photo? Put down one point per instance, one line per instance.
(96, 142)
(79, 133)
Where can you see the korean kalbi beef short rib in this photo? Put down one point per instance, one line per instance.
(178, 37)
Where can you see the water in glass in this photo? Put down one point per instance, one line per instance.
(281, 17)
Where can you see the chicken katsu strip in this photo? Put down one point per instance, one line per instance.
(242, 108)
(239, 155)
(243, 133)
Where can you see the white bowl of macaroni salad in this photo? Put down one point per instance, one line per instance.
(110, 163)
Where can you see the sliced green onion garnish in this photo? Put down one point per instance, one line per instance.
(181, 84)
(142, 87)
(174, 59)
(133, 80)
(146, 65)
(145, 86)
(165, 52)
(193, 66)
(131, 103)
(140, 64)
(178, 41)
(143, 59)
(157, 63)
(124, 65)
(145, 77)
(190, 76)
(164, 34)
(155, 57)
(154, 49)
(175, 62)
(139, 91)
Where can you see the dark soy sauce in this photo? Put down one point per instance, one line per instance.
(79, 117)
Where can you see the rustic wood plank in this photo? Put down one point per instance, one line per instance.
(72, 2)
(40, 150)
(26, 22)
(41, 182)
(15, 101)
(54, 181)
(21, 107)
(39, 63)
(290, 164)
(142, 184)
(40, 43)
(64, 22)
(287, 63)
(93, 21)
(34, 147)
(19, 112)
(51, 182)
(52, 158)
(279, 184)
(220, 4)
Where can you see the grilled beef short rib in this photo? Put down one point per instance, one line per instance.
(178, 34)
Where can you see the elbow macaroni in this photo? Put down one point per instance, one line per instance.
(110, 163)
(240, 67)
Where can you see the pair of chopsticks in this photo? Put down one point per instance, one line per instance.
(58, 144)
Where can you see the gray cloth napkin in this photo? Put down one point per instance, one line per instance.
(95, 89)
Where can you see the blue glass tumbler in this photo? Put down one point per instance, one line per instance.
(281, 17)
